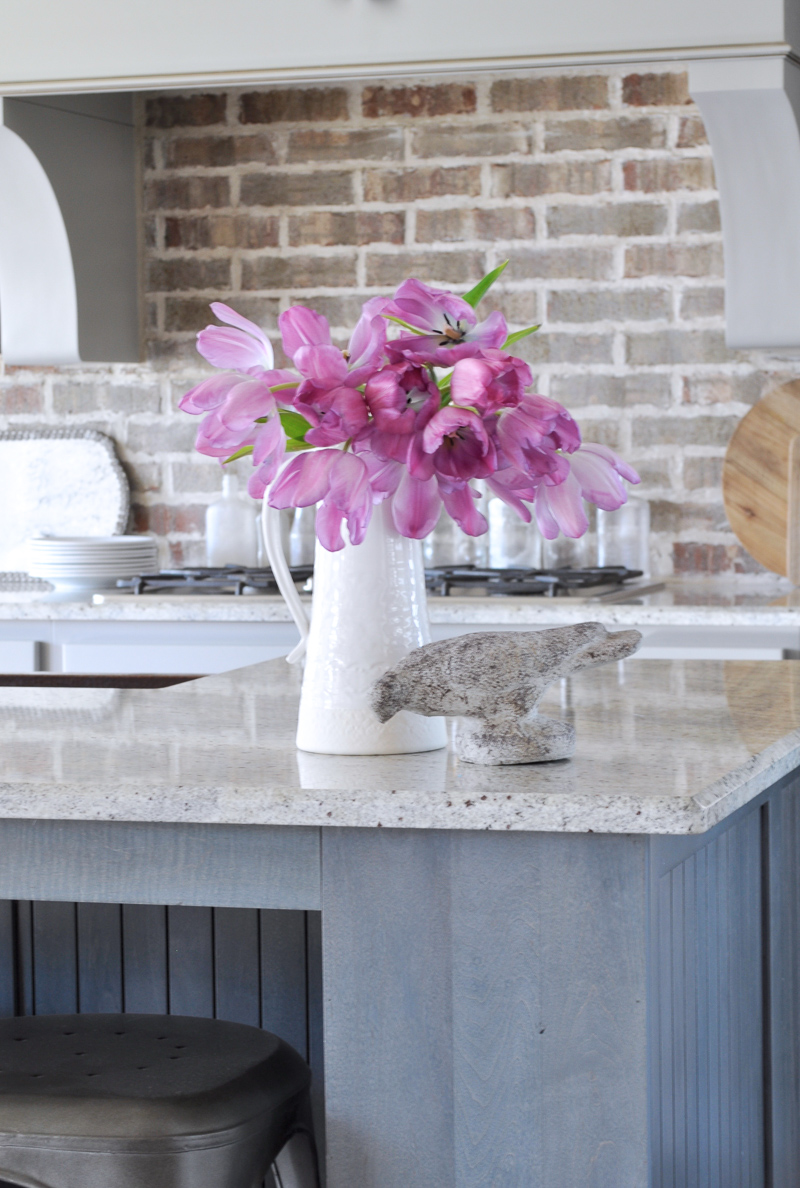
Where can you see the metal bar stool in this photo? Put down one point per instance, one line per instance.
(151, 1101)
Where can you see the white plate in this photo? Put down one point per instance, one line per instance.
(91, 540)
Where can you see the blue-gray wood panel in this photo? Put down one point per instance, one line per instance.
(707, 1024)
(256, 866)
(782, 888)
(484, 1009)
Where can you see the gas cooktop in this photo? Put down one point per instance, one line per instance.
(442, 580)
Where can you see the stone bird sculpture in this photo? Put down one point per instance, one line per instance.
(492, 682)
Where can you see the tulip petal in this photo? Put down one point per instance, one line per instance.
(469, 381)
(384, 476)
(565, 506)
(490, 333)
(328, 527)
(366, 342)
(269, 452)
(305, 480)
(324, 366)
(232, 318)
(460, 504)
(449, 420)
(512, 487)
(209, 394)
(416, 506)
(619, 464)
(598, 480)
(426, 307)
(248, 401)
(223, 346)
(303, 327)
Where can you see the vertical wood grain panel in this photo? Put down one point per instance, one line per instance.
(24, 1004)
(99, 957)
(190, 956)
(315, 1009)
(8, 964)
(784, 983)
(237, 972)
(707, 1053)
(144, 948)
(55, 966)
(282, 943)
(388, 1008)
(549, 1011)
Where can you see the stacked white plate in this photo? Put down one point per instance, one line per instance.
(90, 562)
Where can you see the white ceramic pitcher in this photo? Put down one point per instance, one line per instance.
(369, 611)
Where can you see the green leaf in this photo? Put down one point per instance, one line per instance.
(282, 387)
(242, 453)
(517, 335)
(293, 445)
(294, 425)
(483, 286)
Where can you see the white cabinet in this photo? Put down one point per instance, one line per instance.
(206, 647)
(47, 45)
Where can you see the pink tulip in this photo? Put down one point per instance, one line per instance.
(341, 481)
(599, 472)
(307, 341)
(459, 444)
(491, 381)
(349, 498)
(336, 414)
(447, 325)
(536, 424)
(328, 396)
(596, 474)
(241, 344)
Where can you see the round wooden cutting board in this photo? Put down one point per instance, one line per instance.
(755, 475)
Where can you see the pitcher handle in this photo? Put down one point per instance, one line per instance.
(271, 525)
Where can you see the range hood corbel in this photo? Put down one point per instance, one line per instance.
(69, 271)
(751, 110)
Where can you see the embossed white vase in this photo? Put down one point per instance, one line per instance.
(369, 611)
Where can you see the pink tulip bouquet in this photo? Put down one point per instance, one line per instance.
(412, 419)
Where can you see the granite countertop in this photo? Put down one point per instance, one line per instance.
(713, 602)
(667, 747)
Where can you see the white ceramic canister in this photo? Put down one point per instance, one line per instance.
(369, 611)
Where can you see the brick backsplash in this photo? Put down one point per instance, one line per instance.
(598, 186)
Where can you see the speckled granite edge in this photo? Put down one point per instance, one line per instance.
(511, 612)
(406, 809)
(739, 787)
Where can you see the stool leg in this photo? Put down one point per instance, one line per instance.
(296, 1165)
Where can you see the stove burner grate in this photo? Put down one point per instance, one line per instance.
(544, 582)
(227, 579)
(442, 580)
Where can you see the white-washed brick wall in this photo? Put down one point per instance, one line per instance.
(599, 188)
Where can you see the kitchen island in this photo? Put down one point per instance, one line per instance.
(583, 972)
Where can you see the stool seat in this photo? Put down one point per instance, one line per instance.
(118, 1088)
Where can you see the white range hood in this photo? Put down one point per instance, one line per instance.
(740, 56)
